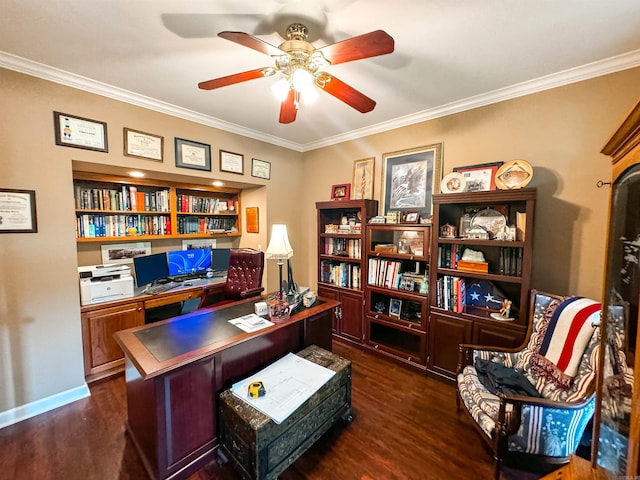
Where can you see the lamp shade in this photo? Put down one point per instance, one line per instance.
(279, 247)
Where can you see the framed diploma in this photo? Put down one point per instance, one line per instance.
(18, 211)
(190, 154)
(143, 145)
(231, 162)
(79, 132)
(260, 169)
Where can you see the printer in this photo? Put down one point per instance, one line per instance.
(105, 283)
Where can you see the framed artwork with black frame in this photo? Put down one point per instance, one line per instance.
(410, 178)
(191, 154)
(18, 211)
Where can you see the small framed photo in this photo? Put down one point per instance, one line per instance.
(190, 154)
(143, 145)
(260, 169)
(479, 178)
(395, 305)
(18, 211)
(340, 192)
(231, 162)
(412, 216)
(80, 132)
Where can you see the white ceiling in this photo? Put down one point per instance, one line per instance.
(450, 55)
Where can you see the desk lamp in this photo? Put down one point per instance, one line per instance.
(279, 249)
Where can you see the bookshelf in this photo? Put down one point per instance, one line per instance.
(125, 209)
(341, 267)
(396, 291)
(482, 250)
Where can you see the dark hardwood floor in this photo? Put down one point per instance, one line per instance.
(405, 427)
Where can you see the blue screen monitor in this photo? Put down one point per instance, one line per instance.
(183, 262)
(149, 268)
(220, 259)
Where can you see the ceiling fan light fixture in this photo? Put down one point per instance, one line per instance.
(281, 88)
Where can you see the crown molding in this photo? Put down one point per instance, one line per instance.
(595, 69)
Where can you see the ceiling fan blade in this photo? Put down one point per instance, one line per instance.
(347, 94)
(367, 45)
(288, 108)
(231, 79)
(250, 41)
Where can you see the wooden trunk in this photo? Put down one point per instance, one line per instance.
(263, 449)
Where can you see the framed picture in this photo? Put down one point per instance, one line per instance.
(260, 169)
(18, 211)
(195, 155)
(395, 306)
(79, 132)
(410, 178)
(412, 216)
(252, 220)
(143, 145)
(479, 178)
(231, 162)
(363, 178)
(340, 192)
(124, 252)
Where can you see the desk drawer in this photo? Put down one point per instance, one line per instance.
(168, 299)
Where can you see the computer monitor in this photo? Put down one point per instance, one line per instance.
(184, 262)
(220, 259)
(149, 268)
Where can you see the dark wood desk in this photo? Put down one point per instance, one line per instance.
(176, 368)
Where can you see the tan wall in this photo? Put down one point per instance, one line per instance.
(560, 132)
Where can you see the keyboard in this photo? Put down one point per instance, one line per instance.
(163, 287)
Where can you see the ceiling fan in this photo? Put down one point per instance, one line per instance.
(301, 64)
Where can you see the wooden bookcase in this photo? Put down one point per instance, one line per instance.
(126, 209)
(508, 271)
(341, 265)
(396, 301)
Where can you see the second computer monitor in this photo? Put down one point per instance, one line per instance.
(185, 262)
(220, 259)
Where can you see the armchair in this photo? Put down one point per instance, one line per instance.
(559, 358)
(244, 277)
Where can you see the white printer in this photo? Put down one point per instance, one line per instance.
(105, 283)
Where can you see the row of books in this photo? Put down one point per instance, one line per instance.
(194, 204)
(205, 224)
(384, 273)
(91, 226)
(451, 293)
(127, 198)
(343, 247)
(509, 260)
(340, 274)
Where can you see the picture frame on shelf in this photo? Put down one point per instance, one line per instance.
(143, 145)
(80, 132)
(18, 211)
(363, 175)
(410, 178)
(395, 306)
(412, 216)
(479, 178)
(341, 191)
(260, 169)
(192, 154)
(231, 162)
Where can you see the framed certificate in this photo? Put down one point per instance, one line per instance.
(190, 154)
(79, 132)
(231, 162)
(143, 145)
(260, 169)
(18, 211)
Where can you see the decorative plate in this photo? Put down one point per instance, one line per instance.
(491, 220)
(514, 174)
(453, 183)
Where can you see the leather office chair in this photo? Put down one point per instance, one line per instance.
(244, 277)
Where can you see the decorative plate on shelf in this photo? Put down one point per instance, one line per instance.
(491, 220)
(514, 174)
(453, 183)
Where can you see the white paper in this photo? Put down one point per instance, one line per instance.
(288, 383)
(251, 322)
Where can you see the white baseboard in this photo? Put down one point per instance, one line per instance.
(32, 409)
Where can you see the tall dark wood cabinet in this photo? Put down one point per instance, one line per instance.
(463, 295)
(617, 425)
(341, 267)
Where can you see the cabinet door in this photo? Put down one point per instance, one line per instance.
(492, 336)
(98, 327)
(445, 334)
(350, 321)
(333, 295)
